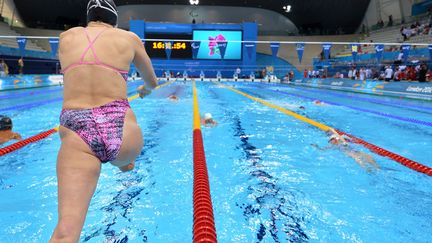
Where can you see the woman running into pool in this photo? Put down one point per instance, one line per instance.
(97, 124)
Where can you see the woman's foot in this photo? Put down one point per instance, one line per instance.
(128, 167)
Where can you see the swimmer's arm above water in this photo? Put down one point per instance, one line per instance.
(143, 63)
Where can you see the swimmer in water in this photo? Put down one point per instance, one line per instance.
(97, 123)
(294, 107)
(208, 120)
(318, 103)
(173, 98)
(343, 144)
(6, 133)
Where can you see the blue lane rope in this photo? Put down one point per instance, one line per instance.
(406, 119)
(400, 104)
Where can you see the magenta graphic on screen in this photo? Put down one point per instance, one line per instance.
(213, 44)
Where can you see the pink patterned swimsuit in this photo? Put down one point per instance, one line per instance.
(100, 127)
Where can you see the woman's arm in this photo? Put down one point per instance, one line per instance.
(143, 63)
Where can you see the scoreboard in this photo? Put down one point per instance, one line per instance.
(209, 45)
(179, 49)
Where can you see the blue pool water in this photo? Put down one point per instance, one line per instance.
(268, 184)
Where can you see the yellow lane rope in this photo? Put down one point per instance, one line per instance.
(283, 110)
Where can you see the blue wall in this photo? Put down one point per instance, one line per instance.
(421, 7)
(194, 67)
(281, 67)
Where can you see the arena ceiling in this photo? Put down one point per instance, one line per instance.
(310, 16)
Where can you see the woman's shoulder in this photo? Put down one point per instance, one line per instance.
(71, 31)
(128, 34)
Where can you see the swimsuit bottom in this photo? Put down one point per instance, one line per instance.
(101, 127)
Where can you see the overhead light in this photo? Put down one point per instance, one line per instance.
(194, 2)
(287, 8)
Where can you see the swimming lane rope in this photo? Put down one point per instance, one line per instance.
(375, 149)
(27, 141)
(13, 147)
(400, 118)
(203, 219)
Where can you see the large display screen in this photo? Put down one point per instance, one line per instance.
(179, 49)
(212, 41)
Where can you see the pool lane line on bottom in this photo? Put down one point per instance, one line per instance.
(204, 229)
(20, 144)
(375, 149)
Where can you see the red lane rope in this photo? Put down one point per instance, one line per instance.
(204, 229)
(398, 158)
(25, 142)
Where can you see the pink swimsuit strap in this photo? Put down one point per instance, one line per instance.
(97, 62)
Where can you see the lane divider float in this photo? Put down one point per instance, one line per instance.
(204, 229)
(373, 148)
(20, 144)
(27, 141)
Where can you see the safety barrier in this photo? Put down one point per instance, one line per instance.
(203, 219)
(22, 143)
(375, 149)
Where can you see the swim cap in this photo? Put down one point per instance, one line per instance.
(102, 10)
(5, 123)
(334, 136)
(208, 116)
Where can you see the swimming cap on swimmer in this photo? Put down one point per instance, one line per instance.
(5, 123)
(208, 116)
(334, 136)
(102, 10)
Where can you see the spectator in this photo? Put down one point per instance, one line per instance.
(3, 68)
(291, 75)
(390, 23)
(355, 74)
(399, 58)
(238, 72)
(350, 73)
(305, 74)
(406, 33)
(429, 76)
(21, 65)
(388, 73)
(286, 78)
(422, 73)
(411, 73)
(362, 74)
(397, 74)
(375, 74)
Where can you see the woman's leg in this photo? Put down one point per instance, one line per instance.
(77, 173)
(132, 143)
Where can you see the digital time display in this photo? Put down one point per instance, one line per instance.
(174, 46)
(179, 49)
